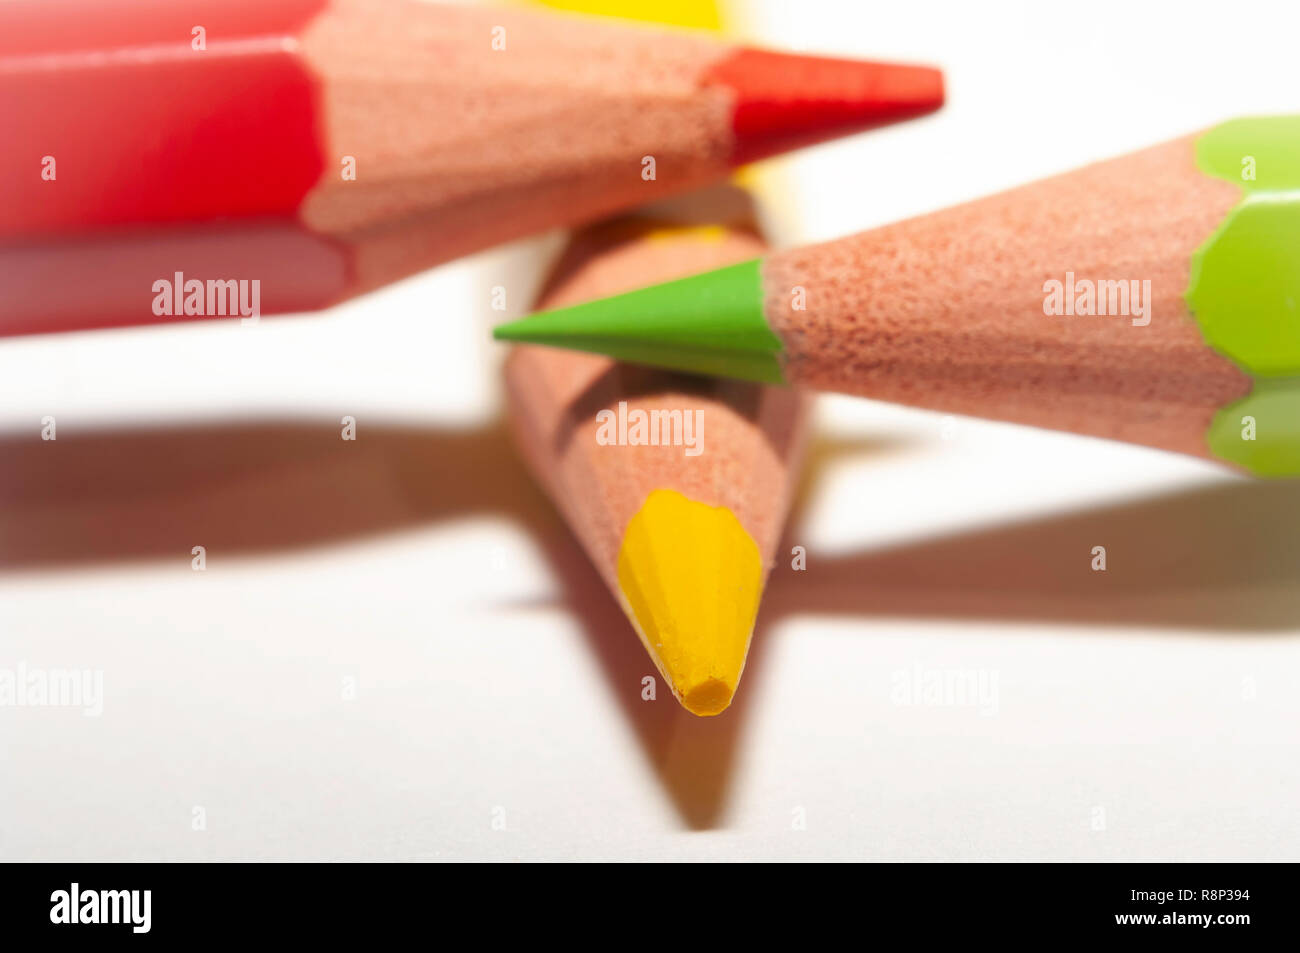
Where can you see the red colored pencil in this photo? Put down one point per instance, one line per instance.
(326, 147)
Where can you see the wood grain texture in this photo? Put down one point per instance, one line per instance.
(946, 311)
(753, 436)
(490, 144)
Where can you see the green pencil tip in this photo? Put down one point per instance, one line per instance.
(711, 323)
(513, 331)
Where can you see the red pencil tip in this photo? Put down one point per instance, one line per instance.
(784, 100)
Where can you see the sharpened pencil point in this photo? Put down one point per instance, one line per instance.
(711, 323)
(692, 577)
(710, 697)
(786, 100)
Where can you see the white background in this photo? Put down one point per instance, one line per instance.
(1145, 713)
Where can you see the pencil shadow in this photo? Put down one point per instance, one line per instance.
(242, 488)
(1221, 557)
(692, 756)
(261, 487)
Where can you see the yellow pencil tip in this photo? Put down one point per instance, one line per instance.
(692, 577)
(709, 697)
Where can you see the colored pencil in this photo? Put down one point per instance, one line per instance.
(677, 486)
(1150, 298)
(326, 147)
(723, 215)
